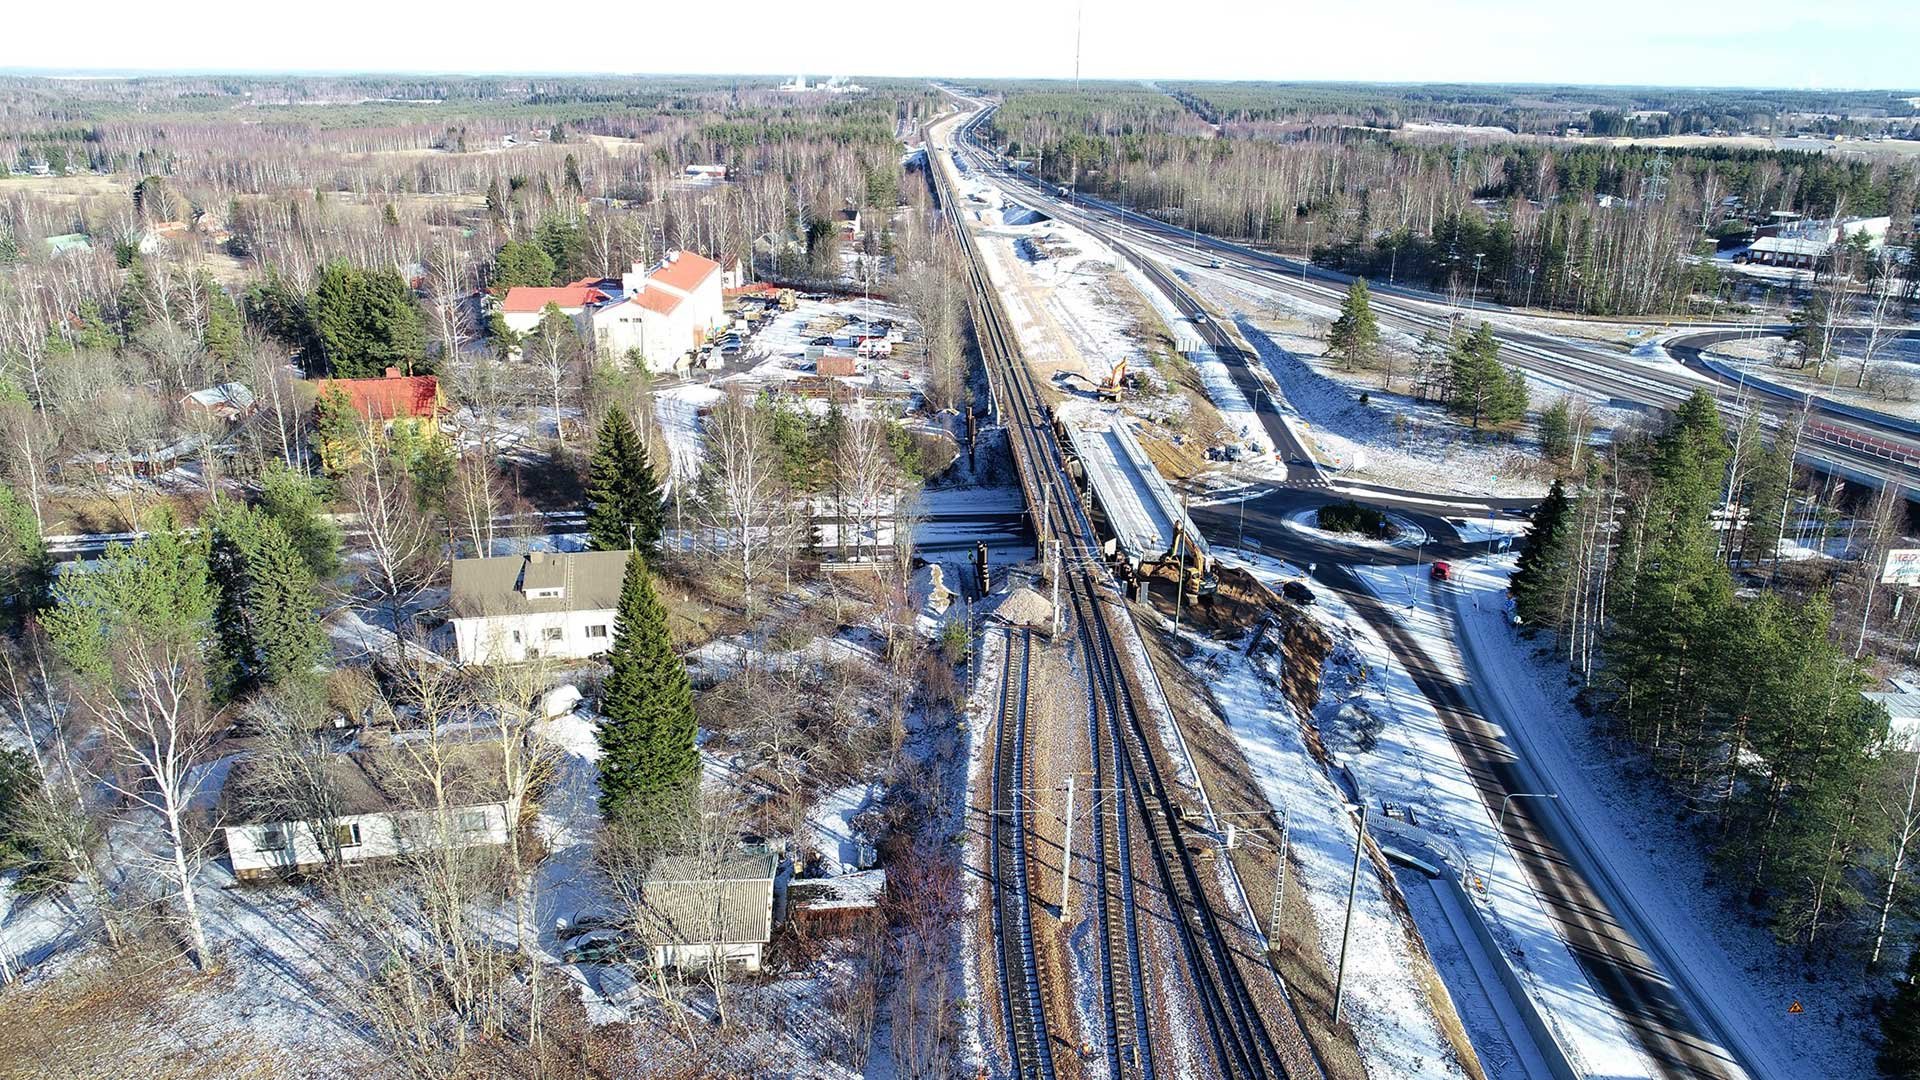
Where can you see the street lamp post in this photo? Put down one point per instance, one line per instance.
(1502, 829)
(1473, 301)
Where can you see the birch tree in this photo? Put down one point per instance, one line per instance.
(135, 632)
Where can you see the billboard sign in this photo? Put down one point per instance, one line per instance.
(1903, 567)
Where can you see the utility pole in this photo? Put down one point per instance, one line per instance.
(1473, 301)
(1346, 932)
(1066, 857)
(1058, 567)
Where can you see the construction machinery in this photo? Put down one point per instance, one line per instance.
(1111, 387)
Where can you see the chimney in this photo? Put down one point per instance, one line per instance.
(393, 373)
(536, 557)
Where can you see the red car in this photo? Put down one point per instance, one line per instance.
(1442, 571)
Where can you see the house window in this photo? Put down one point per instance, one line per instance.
(516, 637)
(348, 835)
(599, 631)
(553, 633)
(473, 821)
(272, 838)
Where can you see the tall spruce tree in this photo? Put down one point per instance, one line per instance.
(1543, 573)
(649, 763)
(290, 499)
(267, 610)
(624, 506)
(1355, 336)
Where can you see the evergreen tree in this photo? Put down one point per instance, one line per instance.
(366, 321)
(1556, 431)
(519, 263)
(1355, 336)
(222, 336)
(1899, 1056)
(291, 501)
(1672, 597)
(565, 243)
(156, 587)
(649, 759)
(1809, 334)
(1542, 575)
(26, 569)
(267, 614)
(624, 506)
(1480, 388)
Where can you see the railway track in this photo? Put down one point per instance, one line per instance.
(1845, 444)
(1237, 1034)
(1021, 996)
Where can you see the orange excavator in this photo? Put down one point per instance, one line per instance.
(1110, 388)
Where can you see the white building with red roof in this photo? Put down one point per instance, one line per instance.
(665, 312)
(523, 306)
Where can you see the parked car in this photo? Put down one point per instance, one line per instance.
(581, 922)
(1297, 592)
(598, 947)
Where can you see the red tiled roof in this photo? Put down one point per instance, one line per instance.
(685, 272)
(659, 300)
(524, 299)
(390, 398)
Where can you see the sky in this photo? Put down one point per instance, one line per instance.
(1839, 44)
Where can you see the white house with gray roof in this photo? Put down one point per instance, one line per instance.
(541, 605)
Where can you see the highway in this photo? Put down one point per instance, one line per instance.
(1845, 441)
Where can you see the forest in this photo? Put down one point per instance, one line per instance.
(1586, 227)
(1735, 675)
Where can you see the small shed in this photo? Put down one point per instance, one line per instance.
(823, 907)
(699, 909)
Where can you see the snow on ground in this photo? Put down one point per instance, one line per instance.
(1393, 439)
(1732, 964)
(1398, 1034)
(1492, 1018)
(1408, 759)
(841, 846)
(1407, 534)
(678, 408)
(1896, 367)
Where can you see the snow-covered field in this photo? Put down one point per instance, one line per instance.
(1393, 438)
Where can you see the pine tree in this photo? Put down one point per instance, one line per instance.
(649, 758)
(1355, 335)
(222, 337)
(623, 498)
(522, 263)
(1899, 1056)
(1480, 388)
(1543, 573)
